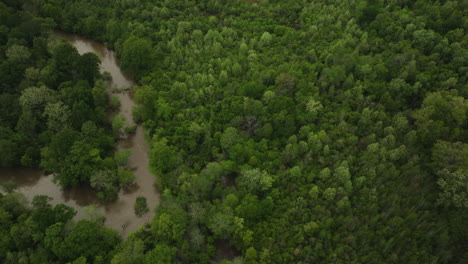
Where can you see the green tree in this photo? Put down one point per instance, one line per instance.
(131, 252)
(9, 186)
(9, 153)
(125, 177)
(88, 67)
(442, 117)
(265, 39)
(221, 222)
(286, 82)
(454, 188)
(80, 260)
(94, 213)
(57, 115)
(136, 55)
(161, 254)
(85, 239)
(255, 181)
(79, 164)
(251, 256)
(106, 181)
(140, 207)
(36, 98)
(18, 53)
(229, 138)
(121, 157)
(163, 158)
(118, 124)
(451, 156)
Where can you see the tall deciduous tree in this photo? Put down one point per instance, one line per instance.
(136, 55)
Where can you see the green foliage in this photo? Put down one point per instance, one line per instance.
(79, 164)
(36, 98)
(343, 124)
(140, 206)
(229, 138)
(80, 260)
(93, 213)
(118, 124)
(125, 177)
(130, 130)
(161, 254)
(163, 158)
(121, 157)
(255, 181)
(85, 239)
(451, 161)
(136, 55)
(454, 188)
(442, 116)
(132, 252)
(106, 182)
(115, 102)
(23, 229)
(53, 113)
(58, 116)
(18, 53)
(451, 156)
(9, 186)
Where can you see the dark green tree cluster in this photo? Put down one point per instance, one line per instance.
(46, 234)
(140, 206)
(53, 106)
(299, 131)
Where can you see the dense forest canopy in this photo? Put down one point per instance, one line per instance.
(294, 131)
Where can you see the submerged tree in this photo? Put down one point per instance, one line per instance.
(140, 207)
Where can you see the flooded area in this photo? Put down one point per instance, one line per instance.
(119, 214)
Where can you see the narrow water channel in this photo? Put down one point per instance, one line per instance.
(119, 213)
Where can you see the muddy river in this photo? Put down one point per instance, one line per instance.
(119, 214)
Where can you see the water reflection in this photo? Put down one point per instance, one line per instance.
(24, 177)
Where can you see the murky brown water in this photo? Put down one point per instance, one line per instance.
(119, 214)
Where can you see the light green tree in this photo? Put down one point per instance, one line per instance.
(57, 115)
(255, 181)
(18, 53)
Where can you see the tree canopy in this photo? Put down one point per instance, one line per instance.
(280, 131)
